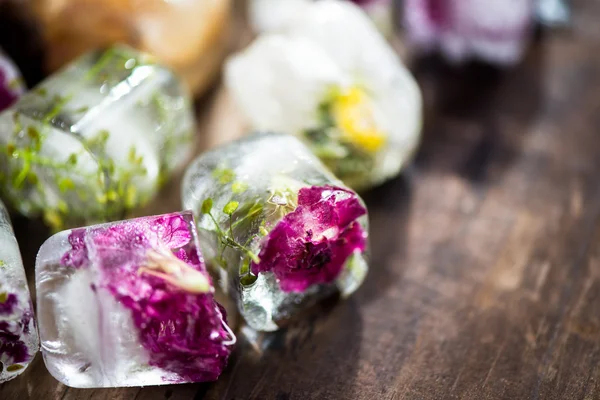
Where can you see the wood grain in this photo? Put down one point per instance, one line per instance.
(485, 272)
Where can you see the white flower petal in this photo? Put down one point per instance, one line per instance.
(345, 32)
(274, 15)
(279, 82)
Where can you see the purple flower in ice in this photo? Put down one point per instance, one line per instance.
(10, 84)
(12, 349)
(311, 244)
(171, 231)
(8, 302)
(493, 30)
(153, 267)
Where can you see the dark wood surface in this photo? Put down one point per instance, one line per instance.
(485, 272)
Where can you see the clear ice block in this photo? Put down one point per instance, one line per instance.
(129, 303)
(18, 334)
(281, 230)
(95, 140)
(328, 76)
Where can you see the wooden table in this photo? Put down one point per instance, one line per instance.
(485, 272)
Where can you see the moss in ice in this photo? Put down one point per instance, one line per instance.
(118, 194)
(349, 161)
(240, 215)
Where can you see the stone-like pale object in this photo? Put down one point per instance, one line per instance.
(327, 76)
(280, 230)
(190, 36)
(18, 334)
(129, 303)
(95, 140)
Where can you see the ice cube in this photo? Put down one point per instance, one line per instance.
(18, 334)
(94, 140)
(130, 303)
(330, 78)
(279, 228)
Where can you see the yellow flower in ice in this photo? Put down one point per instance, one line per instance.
(361, 118)
(353, 113)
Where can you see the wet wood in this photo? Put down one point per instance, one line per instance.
(485, 272)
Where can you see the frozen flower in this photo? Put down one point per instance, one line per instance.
(152, 267)
(496, 31)
(17, 332)
(311, 244)
(280, 229)
(330, 78)
(13, 350)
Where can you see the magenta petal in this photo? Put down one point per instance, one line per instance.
(330, 206)
(78, 255)
(172, 230)
(352, 241)
(349, 210)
